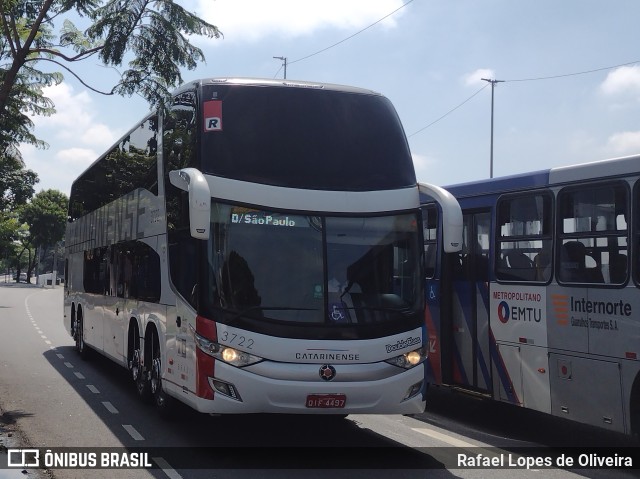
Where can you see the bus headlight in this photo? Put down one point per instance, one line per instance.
(224, 353)
(410, 359)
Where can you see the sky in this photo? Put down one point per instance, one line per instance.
(569, 89)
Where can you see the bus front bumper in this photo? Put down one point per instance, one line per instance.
(237, 391)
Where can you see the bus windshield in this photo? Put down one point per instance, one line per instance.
(294, 268)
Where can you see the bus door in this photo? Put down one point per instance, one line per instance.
(442, 227)
(466, 343)
(433, 255)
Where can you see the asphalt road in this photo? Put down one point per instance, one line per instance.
(50, 398)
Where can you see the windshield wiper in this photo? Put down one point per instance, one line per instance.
(384, 309)
(239, 314)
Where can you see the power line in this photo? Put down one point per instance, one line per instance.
(447, 113)
(527, 80)
(351, 36)
(574, 74)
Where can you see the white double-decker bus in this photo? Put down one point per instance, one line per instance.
(256, 248)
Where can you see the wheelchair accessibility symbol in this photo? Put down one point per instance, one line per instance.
(338, 313)
(432, 293)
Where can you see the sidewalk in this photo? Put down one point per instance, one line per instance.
(13, 284)
(11, 438)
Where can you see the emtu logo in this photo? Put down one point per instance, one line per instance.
(503, 312)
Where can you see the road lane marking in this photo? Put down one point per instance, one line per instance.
(79, 375)
(110, 407)
(60, 356)
(68, 364)
(93, 389)
(132, 432)
(444, 437)
(166, 468)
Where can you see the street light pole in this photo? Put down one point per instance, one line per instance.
(493, 85)
(284, 63)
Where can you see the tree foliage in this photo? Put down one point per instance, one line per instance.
(16, 182)
(16, 188)
(9, 233)
(46, 216)
(149, 37)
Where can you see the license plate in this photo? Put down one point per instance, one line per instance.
(326, 400)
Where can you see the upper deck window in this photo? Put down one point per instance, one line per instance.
(304, 138)
(129, 165)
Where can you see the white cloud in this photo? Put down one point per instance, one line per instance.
(621, 81)
(75, 119)
(624, 143)
(251, 20)
(99, 135)
(71, 110)
(475, 78)
(425, 167)
(75, 135)
(75, 157)
(421, 161)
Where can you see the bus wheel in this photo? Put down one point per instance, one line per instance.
(134, 357)
(140, 372)
(135, 365)
(81, 346)
(162, 400)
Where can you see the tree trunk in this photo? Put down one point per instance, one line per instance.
(21, 57)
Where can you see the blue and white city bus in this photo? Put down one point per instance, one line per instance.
(541, 307)
(256, 248)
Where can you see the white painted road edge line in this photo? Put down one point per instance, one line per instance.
(166, 468)
(110, 407)
(93, 389)
(445, 438)
(132, 432)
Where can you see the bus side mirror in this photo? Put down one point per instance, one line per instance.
(452, 227)
(194, 182)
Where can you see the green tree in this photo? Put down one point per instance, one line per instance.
(15, 242)
(151, 34)
(20, 246)
(46, 216)
(9, 234)
(16, 188)
(16, 182)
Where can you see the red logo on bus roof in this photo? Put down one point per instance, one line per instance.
(213, 115)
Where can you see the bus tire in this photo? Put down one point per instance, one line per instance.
(81, 346)
(135, 362)
(164, 403)
(143, 385)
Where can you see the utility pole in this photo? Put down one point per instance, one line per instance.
(284, 63)
(493, 85)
